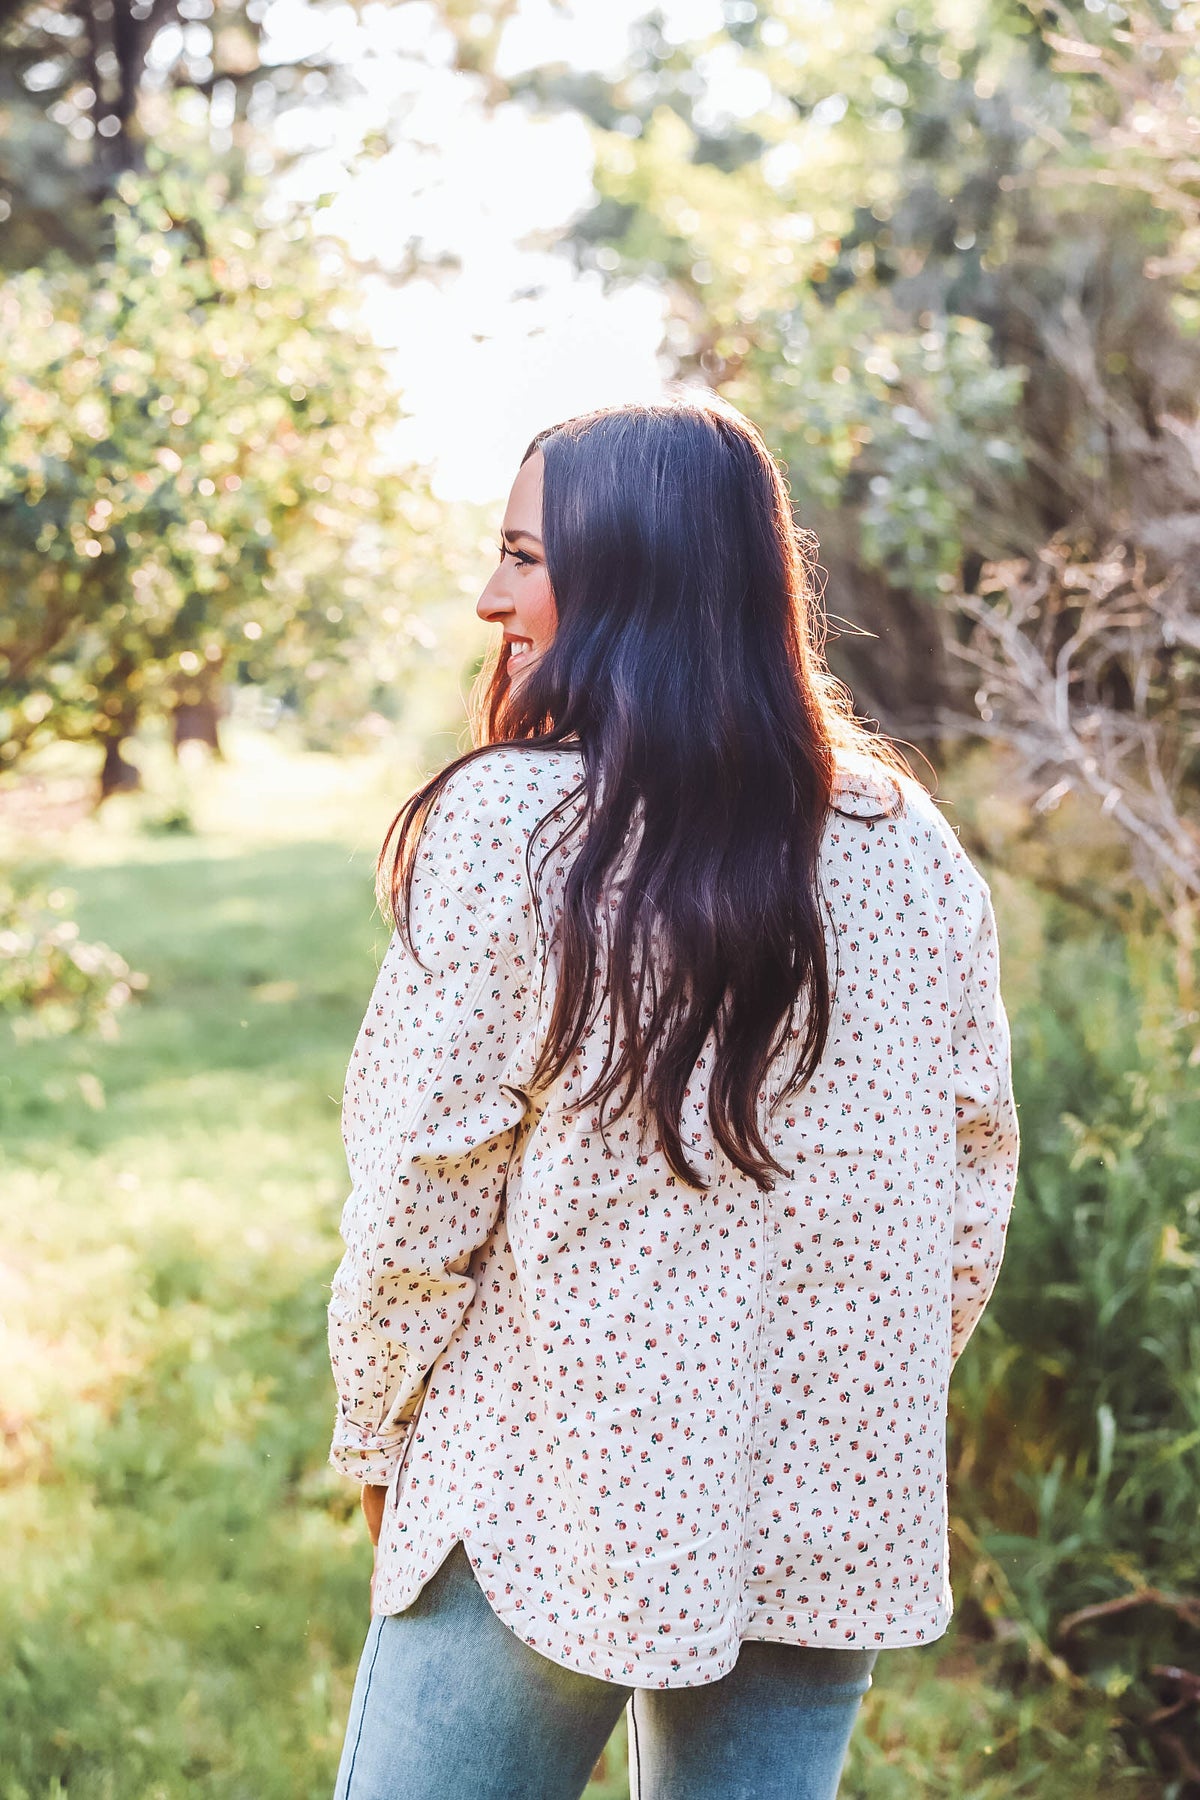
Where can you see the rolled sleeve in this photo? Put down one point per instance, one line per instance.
(986, 1130)
(434, 1097)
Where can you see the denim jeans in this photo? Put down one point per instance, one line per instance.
(449, 1704)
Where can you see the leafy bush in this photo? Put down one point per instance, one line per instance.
(214, 508)
(50, 977)
(1077, 1411)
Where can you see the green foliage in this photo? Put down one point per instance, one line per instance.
(74, 88)
(910, 422)
(1077, 1411)
(934, 258)
(948, 1722)
(51, 980)
(191, 489)
(816, 274)
(912, 428)
(84, 91)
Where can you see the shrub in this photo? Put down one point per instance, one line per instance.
(51, 979)
(1076, 1427)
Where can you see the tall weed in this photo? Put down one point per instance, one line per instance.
(1076, 1413)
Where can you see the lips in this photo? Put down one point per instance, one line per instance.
(520, 651)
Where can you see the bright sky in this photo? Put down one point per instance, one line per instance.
(515, 339)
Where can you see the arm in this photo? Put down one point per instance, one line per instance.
(987, 1131)
(432, 1102)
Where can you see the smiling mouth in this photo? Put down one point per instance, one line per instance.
(518, 647)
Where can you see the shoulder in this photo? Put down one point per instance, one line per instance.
(874, 791)
(864, 788)
(477, 832)
(505, 789)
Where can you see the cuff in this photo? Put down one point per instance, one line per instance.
(369, 1457)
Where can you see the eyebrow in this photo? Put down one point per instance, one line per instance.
(520, 534)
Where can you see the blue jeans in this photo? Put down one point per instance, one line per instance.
(449, 1704)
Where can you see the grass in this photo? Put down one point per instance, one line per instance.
(192, 1581)
(185, 1580)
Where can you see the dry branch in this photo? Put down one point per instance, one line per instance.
(1086, 667)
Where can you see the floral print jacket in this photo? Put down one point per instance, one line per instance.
(663, 1420)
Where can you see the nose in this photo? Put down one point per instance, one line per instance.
(493, 604)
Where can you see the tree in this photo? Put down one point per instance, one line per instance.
(1085, 650)
(85, 85)
(875, 236)
(191, 485)
(74, 79)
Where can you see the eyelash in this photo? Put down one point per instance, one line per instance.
(520, 556)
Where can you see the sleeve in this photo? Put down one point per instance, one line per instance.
(434, 1096)
(987, 1133)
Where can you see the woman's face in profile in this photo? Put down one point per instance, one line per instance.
(518, 597)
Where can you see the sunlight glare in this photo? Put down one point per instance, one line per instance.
(494, 335)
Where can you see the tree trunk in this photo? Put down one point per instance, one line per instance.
(196, 720)
(117, 776)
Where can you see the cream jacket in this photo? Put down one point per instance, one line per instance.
(664, 1420)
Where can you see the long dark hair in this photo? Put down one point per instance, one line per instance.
(687, 667)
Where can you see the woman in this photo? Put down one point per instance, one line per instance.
(682, 1145)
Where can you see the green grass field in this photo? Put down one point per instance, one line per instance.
(185, 1579)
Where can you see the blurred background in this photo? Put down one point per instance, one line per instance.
(285, 288)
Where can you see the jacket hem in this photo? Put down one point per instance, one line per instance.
(829, 1631)
(601, 1661)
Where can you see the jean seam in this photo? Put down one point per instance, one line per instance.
(363, 1710)
(633, 1736)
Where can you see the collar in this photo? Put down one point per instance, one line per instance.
(865, 792)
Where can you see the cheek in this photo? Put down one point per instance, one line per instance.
(539, 608)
